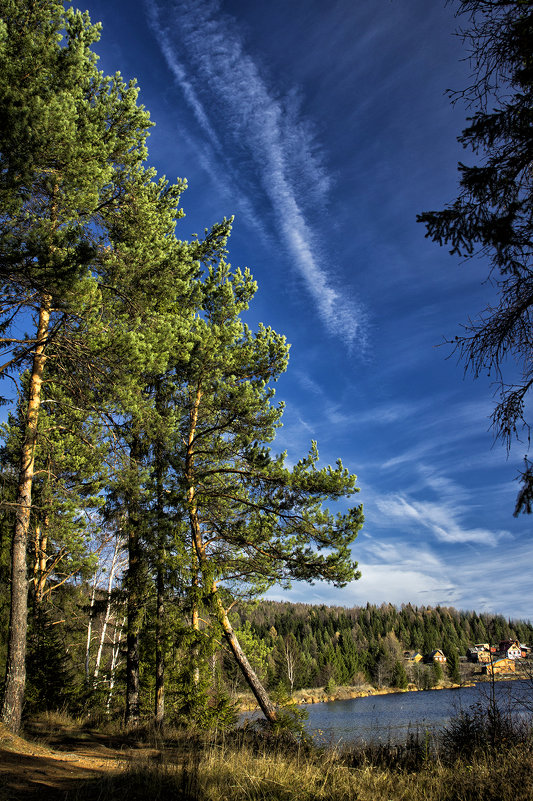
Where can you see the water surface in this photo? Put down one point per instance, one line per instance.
(392, 717)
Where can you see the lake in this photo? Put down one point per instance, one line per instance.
(391, 717)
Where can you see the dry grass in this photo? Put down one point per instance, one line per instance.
(255, 765)
(221, 772)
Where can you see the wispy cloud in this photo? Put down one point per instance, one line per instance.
(334, 412)
(232, 101)
(409, 573)
(443, 520)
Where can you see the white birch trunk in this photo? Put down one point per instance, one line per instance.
(112, 571)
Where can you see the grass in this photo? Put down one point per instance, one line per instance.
(223, 773)
(248, 766)
(485, 754)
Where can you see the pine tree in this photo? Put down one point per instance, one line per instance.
(68, 138)
(492, 215)
(253, 521)
(149, 323)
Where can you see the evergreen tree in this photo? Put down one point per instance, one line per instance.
(452, 663)
(399, 676)
(492, 215)
(69, 136)
(253, 522)
(437, 673)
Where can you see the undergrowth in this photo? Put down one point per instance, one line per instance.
(223, 773)
(482, 755)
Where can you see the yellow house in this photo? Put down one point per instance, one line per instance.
(504, 665)
(417, 657)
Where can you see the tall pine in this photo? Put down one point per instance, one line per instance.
(68, 138)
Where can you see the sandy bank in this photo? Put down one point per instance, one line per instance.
(317, 695)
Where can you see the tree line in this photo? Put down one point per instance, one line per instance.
(142, 407)
(311, 646)
(77, 648)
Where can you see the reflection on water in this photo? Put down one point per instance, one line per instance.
(392, 717)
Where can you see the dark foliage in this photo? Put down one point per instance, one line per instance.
(493, 214)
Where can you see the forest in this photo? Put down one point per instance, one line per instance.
(77, 650)
(141, 405)
(142, 506)
(144, 512)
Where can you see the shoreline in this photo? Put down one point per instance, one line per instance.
(318, 695)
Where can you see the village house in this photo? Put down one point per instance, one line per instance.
(479, 653)
(502, 665)
(510, 649)
(435, 656)
(414, 658)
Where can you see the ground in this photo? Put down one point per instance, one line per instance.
(30, 769)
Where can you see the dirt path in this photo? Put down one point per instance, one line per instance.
(29, 770)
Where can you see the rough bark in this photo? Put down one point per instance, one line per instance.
(159, 711)
(195, 621)
(41, 558)
(18, 621)
(159, 701)
(134, 588)
(261, 695)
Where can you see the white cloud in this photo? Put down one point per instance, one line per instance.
(379, 584)
(226, 92)
(405, 572)
(441, 519)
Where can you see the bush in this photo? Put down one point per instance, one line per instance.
(483, 728)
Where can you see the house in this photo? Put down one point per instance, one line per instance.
(435, 656)
(510, 649)
(484, 656)
(414, 658)
(503, 665)
(479, 653)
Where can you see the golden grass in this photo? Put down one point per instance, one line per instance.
(224, 773)
(251, 765)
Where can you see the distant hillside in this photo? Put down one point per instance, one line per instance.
(308, 646)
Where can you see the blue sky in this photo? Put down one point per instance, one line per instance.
(324, 128)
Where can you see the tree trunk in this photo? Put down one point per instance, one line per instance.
(159, 706)
(90, 628)
(114, 661)
(195, 621)
(41, 559)
(112, 570)
(261, 695)
(159, 711)
(18, 621)
(134, 585)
